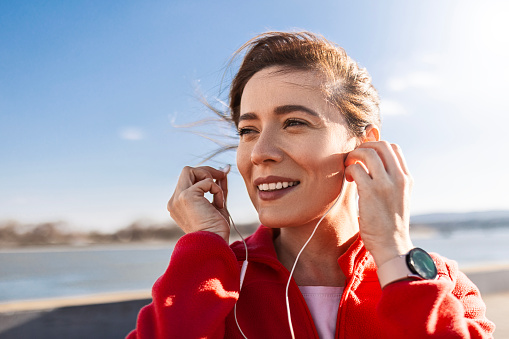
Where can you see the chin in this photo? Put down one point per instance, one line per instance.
(272, 221)
(279, 220)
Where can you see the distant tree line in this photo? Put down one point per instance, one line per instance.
(15, 234)
(446, 227)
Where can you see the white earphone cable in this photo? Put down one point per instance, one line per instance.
(242, 274)
(244, 265)
(300, 252)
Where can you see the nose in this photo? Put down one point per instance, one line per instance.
(267, 149)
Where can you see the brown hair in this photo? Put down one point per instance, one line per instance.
(347, 86)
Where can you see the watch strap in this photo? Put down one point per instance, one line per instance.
(394, 270)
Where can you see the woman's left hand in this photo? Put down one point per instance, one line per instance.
(384, 185)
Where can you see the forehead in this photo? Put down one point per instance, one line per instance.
(286, 78)
(277, 86)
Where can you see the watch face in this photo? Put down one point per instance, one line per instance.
(421, 263)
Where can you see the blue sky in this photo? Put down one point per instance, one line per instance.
(90, 92)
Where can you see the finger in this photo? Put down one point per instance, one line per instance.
(369, 158)
(216, 173)
(357, 172)
(203, 172)
(386, 154)
(223, 184)
(208, 185)
(191, 175)
(219, 199)
(402, 162)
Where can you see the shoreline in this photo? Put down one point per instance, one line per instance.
(90, 247)
(74, 301)
(492, 278)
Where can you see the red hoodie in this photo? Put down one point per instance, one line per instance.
(195, 297)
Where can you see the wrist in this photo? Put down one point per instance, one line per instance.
(386, 253)
(416, 264)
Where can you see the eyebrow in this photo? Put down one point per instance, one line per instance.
(281, 110)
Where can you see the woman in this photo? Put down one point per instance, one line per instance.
(309, 142)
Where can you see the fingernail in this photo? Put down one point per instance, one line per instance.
(225, 169)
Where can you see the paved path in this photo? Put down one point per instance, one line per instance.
(497, 310)
(114, 315)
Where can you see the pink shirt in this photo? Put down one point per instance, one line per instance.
(323, 303)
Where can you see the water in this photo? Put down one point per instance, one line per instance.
(35, 274)
(39, 274)
(470, 248)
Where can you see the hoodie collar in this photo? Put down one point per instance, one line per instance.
(261, 248)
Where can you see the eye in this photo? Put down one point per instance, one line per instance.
(294, 122)
(245, 130)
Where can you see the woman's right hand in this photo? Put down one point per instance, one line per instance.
(191, 210)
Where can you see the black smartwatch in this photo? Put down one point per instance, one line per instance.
(416, 264)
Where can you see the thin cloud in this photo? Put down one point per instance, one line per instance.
(391, 107)
(413, 80)
(131, 133)
(429, 58)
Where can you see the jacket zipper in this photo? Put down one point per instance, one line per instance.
(346, 293)
(276, 265)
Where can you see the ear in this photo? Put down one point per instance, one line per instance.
(372, 133)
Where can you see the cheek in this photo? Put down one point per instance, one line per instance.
(321, 154)
(324, 164)
(325, 167)
(241, 161)
(244, 163)
(244, 166)
(334, 150)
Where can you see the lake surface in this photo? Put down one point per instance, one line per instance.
(52, 273)
(49, 273)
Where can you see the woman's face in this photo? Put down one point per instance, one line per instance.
(292, 147)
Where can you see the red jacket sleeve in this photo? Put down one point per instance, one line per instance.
(450, 307)
(195, 294)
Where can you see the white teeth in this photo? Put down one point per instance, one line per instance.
(277, 186)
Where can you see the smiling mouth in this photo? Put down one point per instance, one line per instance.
(274, 186)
